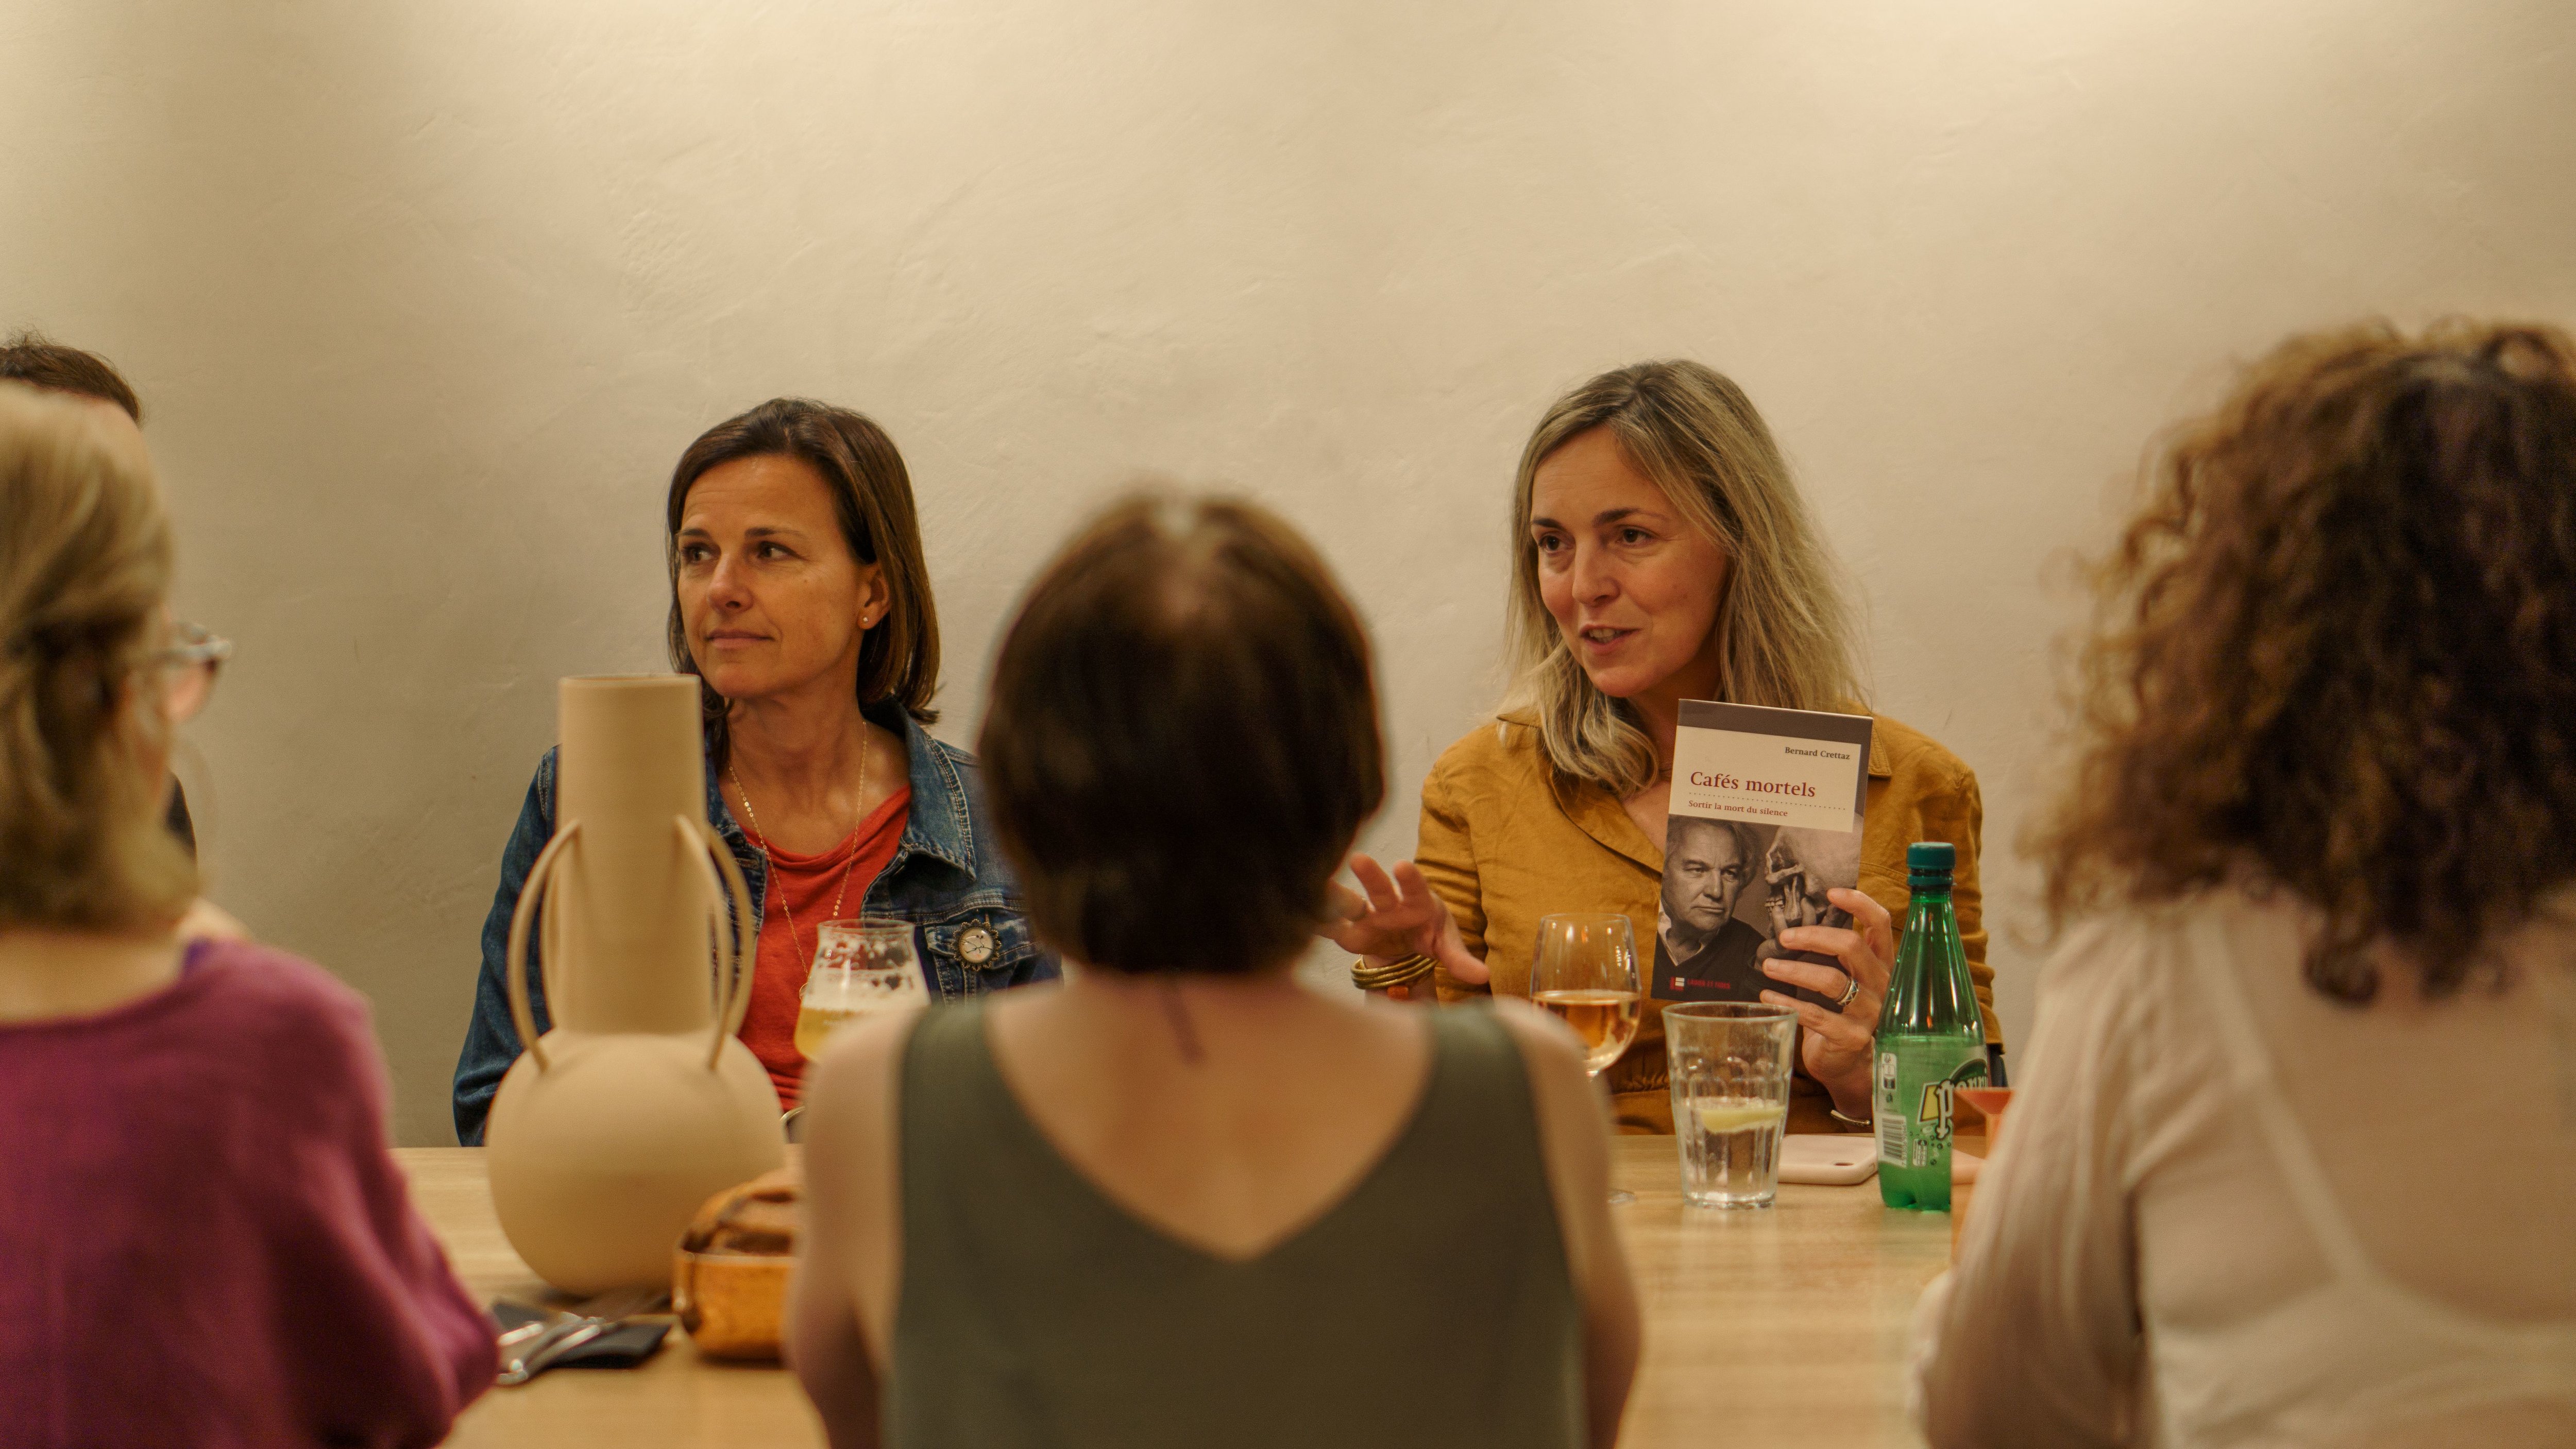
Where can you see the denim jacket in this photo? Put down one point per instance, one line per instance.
(945, 877)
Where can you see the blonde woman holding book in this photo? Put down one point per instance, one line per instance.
(1662, 553)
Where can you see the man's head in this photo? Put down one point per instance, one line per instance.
(29, 358)
(1807, 863)
(1711, 861)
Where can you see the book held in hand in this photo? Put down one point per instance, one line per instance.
(1765, 818)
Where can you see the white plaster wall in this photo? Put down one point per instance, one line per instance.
(425, 300)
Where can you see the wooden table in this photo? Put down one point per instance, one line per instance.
(1785, 1326)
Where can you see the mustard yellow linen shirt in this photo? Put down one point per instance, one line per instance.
(1505, 840)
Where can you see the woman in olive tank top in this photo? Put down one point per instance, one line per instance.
(1179, 1199)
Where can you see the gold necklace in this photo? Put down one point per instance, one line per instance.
(752, 819)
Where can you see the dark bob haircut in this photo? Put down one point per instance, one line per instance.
(872, 497)
(1181, 741)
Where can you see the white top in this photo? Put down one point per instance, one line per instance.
(2226, 1210)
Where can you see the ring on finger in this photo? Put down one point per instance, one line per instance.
(1849, 991)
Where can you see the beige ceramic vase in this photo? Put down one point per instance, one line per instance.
(639, 1105)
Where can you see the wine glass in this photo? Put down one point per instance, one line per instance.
(1585, 971)
(861, 967)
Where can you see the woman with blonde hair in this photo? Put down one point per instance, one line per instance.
(1661, 554)
(205, 1238)
(2293, 1155)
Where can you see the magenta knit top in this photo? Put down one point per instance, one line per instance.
(202, 1238)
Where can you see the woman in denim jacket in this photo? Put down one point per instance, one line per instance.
(800, 598)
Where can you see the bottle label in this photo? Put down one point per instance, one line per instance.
(1916, 1076)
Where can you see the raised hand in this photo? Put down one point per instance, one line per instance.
(1399, 916)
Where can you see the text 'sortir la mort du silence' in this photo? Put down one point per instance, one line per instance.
(1707, 781)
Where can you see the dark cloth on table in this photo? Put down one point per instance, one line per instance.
(203, 1239)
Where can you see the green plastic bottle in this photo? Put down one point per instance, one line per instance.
(1931, 1039)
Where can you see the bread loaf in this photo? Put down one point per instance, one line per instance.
(729, 1275)
(757, 1217)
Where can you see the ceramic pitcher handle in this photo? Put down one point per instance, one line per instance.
(530, 890)
(737, 950)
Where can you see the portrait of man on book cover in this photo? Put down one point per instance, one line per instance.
(1765, 818)
(1707, 865)
(1730, 889)
(1798, 869)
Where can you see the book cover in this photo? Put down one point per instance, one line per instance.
(1765, 818)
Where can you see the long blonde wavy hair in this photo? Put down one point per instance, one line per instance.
(1785, 628)
(84, 571)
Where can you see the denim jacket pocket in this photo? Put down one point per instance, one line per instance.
(978, 948)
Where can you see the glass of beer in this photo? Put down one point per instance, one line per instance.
(861, 967)
(1585, 971)
(1729, 1064)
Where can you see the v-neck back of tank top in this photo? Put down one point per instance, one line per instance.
(1035, 1311)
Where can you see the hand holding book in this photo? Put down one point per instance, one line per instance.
(1760, 898)
(1835, 1047)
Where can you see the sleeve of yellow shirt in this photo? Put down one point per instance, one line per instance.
(1446, 856)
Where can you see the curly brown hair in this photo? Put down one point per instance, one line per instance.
(2335, 654)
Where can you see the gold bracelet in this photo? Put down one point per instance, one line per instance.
(1400, 972)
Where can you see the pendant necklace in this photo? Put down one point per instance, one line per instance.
(762, 841)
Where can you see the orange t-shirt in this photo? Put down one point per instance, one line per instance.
(809, 884)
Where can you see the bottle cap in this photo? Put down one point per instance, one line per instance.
(1928, 864)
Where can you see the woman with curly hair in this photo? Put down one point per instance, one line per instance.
(2295, 1160)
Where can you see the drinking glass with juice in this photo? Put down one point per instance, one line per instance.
(861, 968)
(1585, 971)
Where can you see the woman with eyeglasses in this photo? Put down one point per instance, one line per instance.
(39, 362)
(205, 1238)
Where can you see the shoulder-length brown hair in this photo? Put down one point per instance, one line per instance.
(2336, 654)
(1182, 728)
(1784, 625)
(84, 574)
(872, 497)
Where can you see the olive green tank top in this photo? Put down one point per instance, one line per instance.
(1036, 1312)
